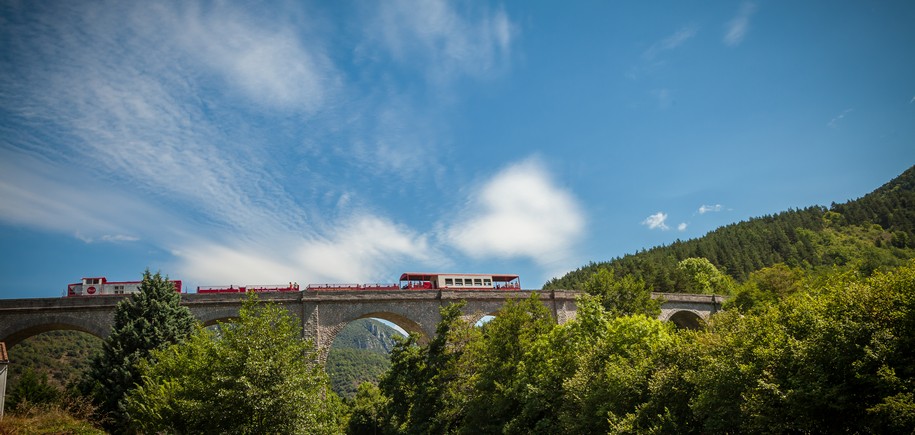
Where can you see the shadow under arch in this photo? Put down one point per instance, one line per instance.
(687, 320)
(217, 320)
(18, 335)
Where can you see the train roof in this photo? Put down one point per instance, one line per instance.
(428, 276)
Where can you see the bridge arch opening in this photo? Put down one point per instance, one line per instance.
(361, 350)
(687, 320)
(63, 355)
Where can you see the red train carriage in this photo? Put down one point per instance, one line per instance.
(291, 287)
(101, 286)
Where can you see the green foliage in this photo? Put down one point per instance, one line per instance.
(827, 352)
(256, 376)
(63, 355)
(33, 388)
(495, 358)
(703, 277)
(148, 320)
(424, 383)
(360, 353)
(619, 297)
(368, 411)
(349, 368)
(766, 286)
(367, 334)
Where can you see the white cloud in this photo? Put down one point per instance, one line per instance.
(520, 213)
(656, 221)
(652, 58)
(739, 26)
(671, 42)
(435, 35)
(682, 226)
(834, 122)
(710, 208)
(37, 194)
(363, 249)
(269, 63)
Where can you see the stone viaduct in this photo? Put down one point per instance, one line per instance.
(322, 314)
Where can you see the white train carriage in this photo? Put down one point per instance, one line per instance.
(459, 281)
(100, 286)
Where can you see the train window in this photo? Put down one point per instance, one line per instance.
(458, 281)
(477, 282)
(487, 282)
(449, 281)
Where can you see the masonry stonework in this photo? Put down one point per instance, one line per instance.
(322, 314)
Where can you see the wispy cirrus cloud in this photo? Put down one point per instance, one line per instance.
(443, 40)
(657, 221)
(834, 122)
(703, 209)
(654, 56)
(520, 213)
(671, 42)
(738, 27)
(215, 132)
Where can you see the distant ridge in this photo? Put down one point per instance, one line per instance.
(874, 231)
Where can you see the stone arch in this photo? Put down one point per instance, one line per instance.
(687, 319)
(329, 332)
(16, 333)
(402, 321)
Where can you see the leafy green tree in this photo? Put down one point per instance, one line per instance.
(147, 320)
(499, 393)
(704, 277)
(368, 411)
(425, 384)
(257, 375)
(612, 378)
(620, 297)
(766, 286)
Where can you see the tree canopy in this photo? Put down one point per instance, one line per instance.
(143, 322)
(255, 375)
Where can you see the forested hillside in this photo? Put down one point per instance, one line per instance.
(360, 353)
(875, 231)
(62, 356)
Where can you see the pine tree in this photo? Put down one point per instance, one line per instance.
(148, 320)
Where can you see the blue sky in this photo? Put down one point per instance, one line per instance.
(248, 142)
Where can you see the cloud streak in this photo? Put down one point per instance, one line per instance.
(703, 209)
(738, 27)
(442, 40)
(834, 122)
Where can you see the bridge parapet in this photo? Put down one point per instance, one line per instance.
(322, 313)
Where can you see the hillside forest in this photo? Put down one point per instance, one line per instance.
(817, 337)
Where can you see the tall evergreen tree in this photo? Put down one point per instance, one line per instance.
(150, 319)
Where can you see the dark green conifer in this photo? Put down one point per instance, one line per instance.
(147, 320)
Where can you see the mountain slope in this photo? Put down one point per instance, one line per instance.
(876, 230)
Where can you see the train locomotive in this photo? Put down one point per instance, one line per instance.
(100, 286)
(408, 281)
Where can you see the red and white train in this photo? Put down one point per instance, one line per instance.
(408, 281)
(100, 286)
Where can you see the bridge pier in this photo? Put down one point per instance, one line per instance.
(321, 314)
